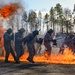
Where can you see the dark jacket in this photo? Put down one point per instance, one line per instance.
(18, 39)
(48, 38)
(7, 37)
(31, 38)
(69, 41)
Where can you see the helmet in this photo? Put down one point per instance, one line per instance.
(9, 31)
(50, 31)
(35, 32)
(22, 30)
(71, 35)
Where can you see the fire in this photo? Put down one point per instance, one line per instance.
(67, 58)
(7, 10)
(2, 31)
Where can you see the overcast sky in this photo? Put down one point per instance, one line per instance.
(47, 4)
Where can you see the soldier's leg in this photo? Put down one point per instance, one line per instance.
(48, 49)
(60, 51)
(21, 52)
(17, 49)
(31, 52)
(7, 53)
(14, 56)
(39, 48)
(31, 55)
(74, 48)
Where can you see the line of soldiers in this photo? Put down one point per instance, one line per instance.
(20, 41)
(17, 48)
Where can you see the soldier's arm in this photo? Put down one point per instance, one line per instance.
(40, 40)
(13, 47)
(47, 39)
(18, 37)
(7, 38)
(28, 38)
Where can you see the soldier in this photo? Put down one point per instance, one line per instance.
(61, 43)
(7, 46)
(39, 45)
(73, 43)
(69, 41)
(47, 40)
(19, 43)
(30, 40)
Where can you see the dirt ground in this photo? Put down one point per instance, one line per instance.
(35, 69)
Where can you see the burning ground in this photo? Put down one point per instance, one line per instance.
(67, 58)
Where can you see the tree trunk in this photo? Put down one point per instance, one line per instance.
(40, 26)
(26, 29)
(12, 27)
(53, 27)
(47, 26)
(62, 28)
(51, 24)
(17, 26)
(17, 22)
(43, 27)
(22, 24)
(67, 30)
(67, 27)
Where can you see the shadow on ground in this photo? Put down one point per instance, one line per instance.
(36, 69)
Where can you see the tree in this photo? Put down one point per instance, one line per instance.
(46, 19)
(62, 22)
(32, 19)
(68, 25)
(67, 12)
(60, 18)
(24, 21)
(52, 17)
(11, 22)
(24, 16)
(58, 9)
(39, 17)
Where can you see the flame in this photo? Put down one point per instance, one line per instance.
(7, 10)
(67, 58)
(2, 31)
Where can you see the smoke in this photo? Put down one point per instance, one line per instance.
(18, 3)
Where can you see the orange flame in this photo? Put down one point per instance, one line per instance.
(2, 31)
(67, 58)
(7, 10)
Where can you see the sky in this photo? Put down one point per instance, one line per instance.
(47, 4)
